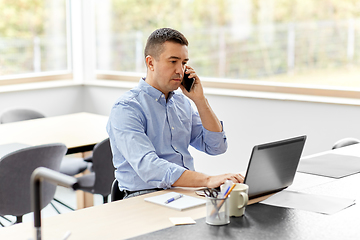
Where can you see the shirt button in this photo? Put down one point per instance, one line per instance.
(175, 148)
(156, 99)
(172, 128)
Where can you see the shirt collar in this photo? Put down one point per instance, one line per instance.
(151, 91)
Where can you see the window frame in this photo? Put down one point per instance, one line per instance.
(81, 63)
(35, 78)
(247, 85)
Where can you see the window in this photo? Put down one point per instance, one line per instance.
(33, 38)
(262, 45)
(292, 42)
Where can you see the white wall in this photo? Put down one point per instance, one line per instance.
(101, 99)
(49, 101)
(247, 121)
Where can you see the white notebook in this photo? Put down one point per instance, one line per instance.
(182, 203)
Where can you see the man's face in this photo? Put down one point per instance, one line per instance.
(169, 67)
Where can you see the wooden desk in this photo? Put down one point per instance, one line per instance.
(134, 217)
(79, 132)
(115, 220)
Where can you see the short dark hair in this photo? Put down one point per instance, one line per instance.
(154, 44)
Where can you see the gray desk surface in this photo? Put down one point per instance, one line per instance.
(267, 222)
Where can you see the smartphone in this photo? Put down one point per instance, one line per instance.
(187, 82)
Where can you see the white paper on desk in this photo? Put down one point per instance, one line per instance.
(182, 220)
(309, 202)
(180, 204)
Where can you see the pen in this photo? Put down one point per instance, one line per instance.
(173, 198)
(67, 235)
(227, 190)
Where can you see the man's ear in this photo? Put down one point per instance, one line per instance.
(150, 62)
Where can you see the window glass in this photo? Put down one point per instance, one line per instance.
(33, 36)
(299, 41)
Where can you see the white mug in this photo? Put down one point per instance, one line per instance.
(238, 200)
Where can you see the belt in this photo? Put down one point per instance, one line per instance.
(131, 192)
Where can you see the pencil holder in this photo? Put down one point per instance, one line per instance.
(217, 211)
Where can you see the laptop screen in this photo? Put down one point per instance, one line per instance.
(272, 166)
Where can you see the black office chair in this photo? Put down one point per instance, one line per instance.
(345, 142)
(15, 171)
(99, 181)
(116, 194)
(69, 165)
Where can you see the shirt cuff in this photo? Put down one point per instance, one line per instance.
(213, 138)
(171, 176)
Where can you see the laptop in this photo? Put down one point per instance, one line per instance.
(272, 166)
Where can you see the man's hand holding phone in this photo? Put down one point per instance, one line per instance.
(196, 94)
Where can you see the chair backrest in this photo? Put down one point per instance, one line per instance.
(345, 142)
(19, 114)
(116, 194)
(103, 167)
(15, 172)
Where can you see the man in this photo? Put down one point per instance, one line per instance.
(151, 126)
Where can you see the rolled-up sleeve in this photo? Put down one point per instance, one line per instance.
(151, 168)
(215, 142)
(212, 143)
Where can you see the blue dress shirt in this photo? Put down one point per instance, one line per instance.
(150, 136)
